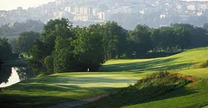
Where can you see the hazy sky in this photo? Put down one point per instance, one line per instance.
(13, 4)
(194, 0)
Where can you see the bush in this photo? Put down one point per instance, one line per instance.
(144, 90)
(162, 79)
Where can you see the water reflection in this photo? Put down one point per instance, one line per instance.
(13, 75)
(11, 79)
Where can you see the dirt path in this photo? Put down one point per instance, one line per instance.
(78, 103)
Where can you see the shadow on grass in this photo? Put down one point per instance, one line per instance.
(155, 87)
(151, 65)
(41, 101)
(44, 87)
(78, 80)
(30, 101)
(23, 101)
(137, 97)
(39, 91)
(60, 85)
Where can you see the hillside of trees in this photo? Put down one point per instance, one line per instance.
(14, 29)
(61, 47)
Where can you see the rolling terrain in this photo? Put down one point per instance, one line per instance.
(162, 91)
(115, 77)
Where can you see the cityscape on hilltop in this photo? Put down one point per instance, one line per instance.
(128, 13)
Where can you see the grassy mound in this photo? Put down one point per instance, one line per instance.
(201, 65)
(144, 90)
(161, 90)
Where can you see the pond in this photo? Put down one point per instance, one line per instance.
(12, 75)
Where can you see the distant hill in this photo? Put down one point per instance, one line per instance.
(128, 13)
(14, 29)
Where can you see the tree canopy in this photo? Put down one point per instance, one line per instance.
(13, 29)
(26, 40)
(140, 40)
(5, 50)
(89, 47)
(65, 48)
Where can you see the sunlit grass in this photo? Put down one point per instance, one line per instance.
(179, 62)
(66, 87)
(193, 95)
(113, 75)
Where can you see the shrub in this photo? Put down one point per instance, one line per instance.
(145, 90)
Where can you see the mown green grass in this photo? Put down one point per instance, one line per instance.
(183, 62)
(64, 87)
(143, 91)
(187, 97)
(193, 95)
(113, 76)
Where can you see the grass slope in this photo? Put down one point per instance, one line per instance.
(194, 95)
(116, 74)
(144, 90)
(183, 63)
(64, 87)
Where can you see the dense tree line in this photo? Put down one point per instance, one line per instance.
(174, 38)
(13, 29)
(5, 50)
(61, 47)
(169, 38)
(197, 36)
(139, 40)
(25, 41)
